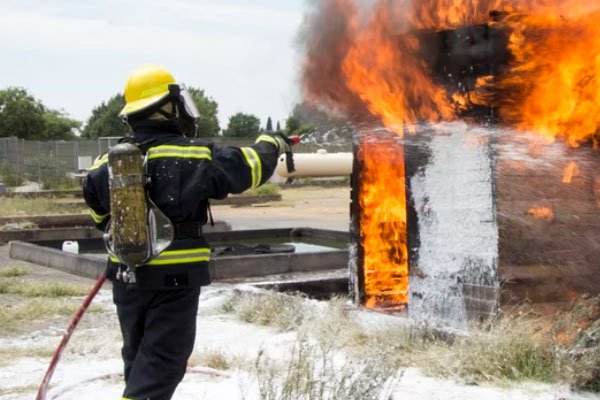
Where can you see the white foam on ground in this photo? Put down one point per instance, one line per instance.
(95, 375)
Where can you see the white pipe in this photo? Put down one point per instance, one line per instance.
(320, 164)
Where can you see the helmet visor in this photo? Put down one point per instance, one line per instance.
(188, 103)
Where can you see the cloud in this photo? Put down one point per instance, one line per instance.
(73, 55)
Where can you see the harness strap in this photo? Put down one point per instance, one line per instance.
(187, 230)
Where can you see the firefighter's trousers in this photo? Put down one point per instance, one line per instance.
(159, 329)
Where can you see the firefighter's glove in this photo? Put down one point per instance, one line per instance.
(285, 143)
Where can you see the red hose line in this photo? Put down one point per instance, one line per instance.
(41, 395)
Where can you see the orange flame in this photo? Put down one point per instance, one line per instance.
(571, 170)
(448, 14)
(481, 96)
(542, 213)
(553, 85)
(389, 76)
(383, 225)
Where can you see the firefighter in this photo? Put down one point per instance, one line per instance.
(157, 313)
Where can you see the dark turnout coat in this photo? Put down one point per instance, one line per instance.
(185, 173)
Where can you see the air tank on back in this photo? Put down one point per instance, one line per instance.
(129, 209)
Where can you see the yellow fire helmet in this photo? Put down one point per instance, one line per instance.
(145, 87)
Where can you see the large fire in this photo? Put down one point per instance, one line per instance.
(369, 63)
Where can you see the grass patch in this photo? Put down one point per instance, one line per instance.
(13, 271)
(512, 348)
(9, 354)
(212, 358)
(14, 319)
(509, 349)
(395, 346)
(577, 333)
(10, 207)
(268, 189)
(20, 389)
(50, 289)
(283, 312)
(10, 178)
(314, 372)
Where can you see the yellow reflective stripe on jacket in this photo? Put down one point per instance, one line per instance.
(267, 138)
(201, 254)
(253, 161)
(170, 151)
(99, 162)
(97, 217)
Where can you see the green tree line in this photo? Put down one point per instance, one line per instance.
(23, 116)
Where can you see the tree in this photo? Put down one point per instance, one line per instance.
(208, 123)
(59, 126)
(21, 115)
(291, 125)
(105, 120)
(269, 127)
(278, 129)
(242, 125)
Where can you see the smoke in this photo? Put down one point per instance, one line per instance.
(326, 38)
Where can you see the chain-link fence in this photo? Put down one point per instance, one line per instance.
(36, 160)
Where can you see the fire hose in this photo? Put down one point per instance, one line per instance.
(41, 395)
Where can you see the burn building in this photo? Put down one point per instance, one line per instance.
(494, 217)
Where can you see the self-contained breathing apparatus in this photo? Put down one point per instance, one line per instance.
(138, 231)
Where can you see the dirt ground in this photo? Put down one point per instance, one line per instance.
(312, 207)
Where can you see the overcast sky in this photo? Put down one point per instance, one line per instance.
(72, 55)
